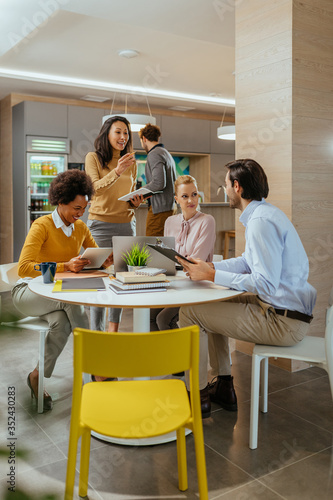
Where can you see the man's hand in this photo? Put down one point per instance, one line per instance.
(136, 200)
(199, 270)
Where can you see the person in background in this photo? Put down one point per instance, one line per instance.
(273, 270)
(113, 172)
(194, 234)
(160, 172)
(57, 237)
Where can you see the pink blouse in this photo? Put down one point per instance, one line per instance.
(194, 237)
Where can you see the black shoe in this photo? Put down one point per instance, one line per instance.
(47, 400)
(205, 402)
(222, 392)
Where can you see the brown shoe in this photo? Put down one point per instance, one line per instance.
(205, 402)
(222, 392)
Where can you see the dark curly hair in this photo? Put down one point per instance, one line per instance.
(102, 144)
(251, 178)
(67, 185)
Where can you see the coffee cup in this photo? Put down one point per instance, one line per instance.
(48, 270)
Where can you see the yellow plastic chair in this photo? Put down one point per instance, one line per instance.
(120, 409)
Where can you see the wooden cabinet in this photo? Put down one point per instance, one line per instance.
(84, 125)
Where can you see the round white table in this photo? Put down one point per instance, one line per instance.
(182, 291)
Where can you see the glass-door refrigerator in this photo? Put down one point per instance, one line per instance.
(45, 158)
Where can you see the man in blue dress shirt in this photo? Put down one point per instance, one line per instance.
(273, 271)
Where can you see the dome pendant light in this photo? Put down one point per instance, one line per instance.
(227, 133)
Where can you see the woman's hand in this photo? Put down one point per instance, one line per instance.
(198, 271)
(109, 261)
(124, 162)
(76, 264)
(136, 200)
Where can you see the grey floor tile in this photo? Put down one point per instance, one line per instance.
(47, 479)
(254, 490)
(311, 401)
(309, 479)
(283, 439)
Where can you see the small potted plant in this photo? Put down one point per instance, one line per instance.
(136, 257)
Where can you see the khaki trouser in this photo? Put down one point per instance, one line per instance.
(61, 317)
(244, 317)
(155, 222)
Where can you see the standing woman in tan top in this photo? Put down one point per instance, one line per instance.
(113, 171)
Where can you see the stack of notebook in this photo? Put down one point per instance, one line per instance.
(130, 282)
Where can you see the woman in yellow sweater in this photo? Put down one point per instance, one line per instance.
(57, 237)
(113, 171)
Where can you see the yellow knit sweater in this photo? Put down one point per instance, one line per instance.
(108, 188)
(46, 243)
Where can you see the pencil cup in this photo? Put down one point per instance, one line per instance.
(48, 270)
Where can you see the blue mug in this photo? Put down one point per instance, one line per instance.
(48, 270)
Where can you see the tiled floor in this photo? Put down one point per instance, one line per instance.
(294, 459)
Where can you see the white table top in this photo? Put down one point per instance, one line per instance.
(182, 291)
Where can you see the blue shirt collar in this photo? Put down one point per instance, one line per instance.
(247, 213)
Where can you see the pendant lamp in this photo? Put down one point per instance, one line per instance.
(228, 132)
(137, 121)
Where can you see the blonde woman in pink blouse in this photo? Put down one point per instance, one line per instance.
(194, 234)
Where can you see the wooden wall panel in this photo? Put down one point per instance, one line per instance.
(259, 23)
(312, 204)
(6, 181)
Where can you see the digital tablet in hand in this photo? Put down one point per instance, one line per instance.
(169, 252)
(97, 256)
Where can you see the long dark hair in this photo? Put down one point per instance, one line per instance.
(251, 177)
(102, 144)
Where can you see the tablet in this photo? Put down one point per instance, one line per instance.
(97, 256)
(169, 252)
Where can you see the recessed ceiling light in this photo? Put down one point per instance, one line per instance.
(94, 98)
(181, 108)
(128, 53)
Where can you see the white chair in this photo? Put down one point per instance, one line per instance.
(8, 278)
(314, 350)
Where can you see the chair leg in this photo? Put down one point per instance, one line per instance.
(40, 406)
(71, 461)
(181, 458)
(84, 463)
(254, 413)
(264, 387)
(201, 460)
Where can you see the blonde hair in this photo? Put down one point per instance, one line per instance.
(184, 179)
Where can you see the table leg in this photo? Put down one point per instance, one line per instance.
(141, 319)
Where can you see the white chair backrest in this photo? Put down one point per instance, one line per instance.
(9, 273)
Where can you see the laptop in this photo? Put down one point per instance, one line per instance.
(122, 244)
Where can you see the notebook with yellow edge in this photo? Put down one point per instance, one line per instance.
(79, 285)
